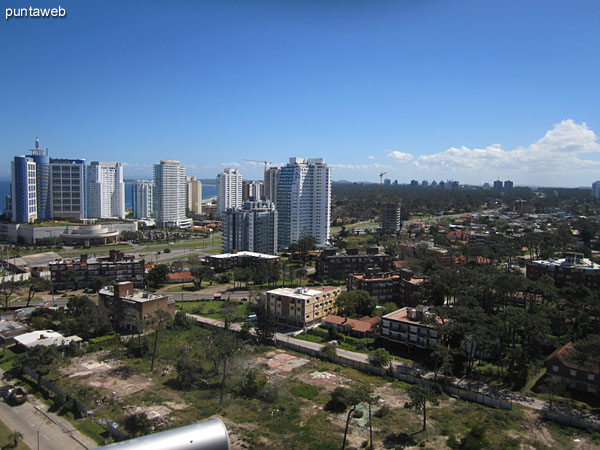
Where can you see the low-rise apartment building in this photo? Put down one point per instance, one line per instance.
(564, 364)
(410, 326)
(85, 271)
(571, 270)
(383, 286)
(340, 265)
(226, 261)
(132, 309)
(302, 307)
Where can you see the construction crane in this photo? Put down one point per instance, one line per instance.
(381, 177)
(264, 162)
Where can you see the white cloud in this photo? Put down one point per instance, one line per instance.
(400, 156)
(231, 164)
(371, 157)
(359, 166)
(559, 153)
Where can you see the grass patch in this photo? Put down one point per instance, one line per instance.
(4, 438)
(306, 391)
(211, 308)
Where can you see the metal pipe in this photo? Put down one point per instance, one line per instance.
(209, 435)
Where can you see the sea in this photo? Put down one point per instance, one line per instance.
(208, 191)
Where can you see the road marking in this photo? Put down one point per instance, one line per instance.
(32, 424)
(46, 437)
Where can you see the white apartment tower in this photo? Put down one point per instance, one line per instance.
(105, 190)
(304, 201)
(170, 195)
(194, 195)
(229, 190)
(142, 199)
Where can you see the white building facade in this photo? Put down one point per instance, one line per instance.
(194, 195)
(304, 201)
(142, 199)
(105, 190)
(229, 190)
(170, 194)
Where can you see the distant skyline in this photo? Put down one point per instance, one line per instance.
(422, 89)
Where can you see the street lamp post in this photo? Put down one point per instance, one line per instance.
(38, 434)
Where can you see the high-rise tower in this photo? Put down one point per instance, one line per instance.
(105, 190)
(169, 195)
(229, 190)
(304, 201)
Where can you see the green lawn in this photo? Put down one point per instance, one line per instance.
(4, 438)
(212, 309)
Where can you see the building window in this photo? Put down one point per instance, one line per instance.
(573, 373)
(591, 376)
(554, 368)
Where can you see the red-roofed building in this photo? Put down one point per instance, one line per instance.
(364, 327)
(457, 235)
(563, 364)
(180, 277)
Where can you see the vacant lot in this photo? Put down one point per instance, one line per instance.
(285, 407)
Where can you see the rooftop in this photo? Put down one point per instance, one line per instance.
(300, 293)
(239, 254)
(139, 295)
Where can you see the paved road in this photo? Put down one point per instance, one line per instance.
(32, 417)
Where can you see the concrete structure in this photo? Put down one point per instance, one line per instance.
(130, 308)
(271, 182)
(143, 195)
(67, 188)
(565, 364)
(170, 195)
(90, 235)
(302, 307)
(408, 326)
(29, 233)
(229, 190)
(391, 221)
(44, 338)
(23, 189)
(340, 265)
(384, 286)
(571, 270)
(252, 190)
(304, 201)
(37, 264)
(87, 270)
(105, 190)
(9, 330)
(193, 195)
(253, 228)
(228, 261)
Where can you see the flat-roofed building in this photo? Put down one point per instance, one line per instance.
(130, 308)
(302, 307)
(226, 261)
(383, 286)
(87, 270)
(340, 265)
(571, 270)
(411, 326)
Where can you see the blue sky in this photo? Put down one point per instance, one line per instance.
(466, 90)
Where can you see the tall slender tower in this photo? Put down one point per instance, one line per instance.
(304, 201)
(142, 199)
(67, 188)
(42, 179)
(23, 189)
(169, 194)
(229, 190)
(105, 190)
(194, 195)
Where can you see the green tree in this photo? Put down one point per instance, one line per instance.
(420, 396)
(202, 273)
(36, 284)
(355, 303)
(380, 358)
(157, 275)
(159, 320)
(224, 346)
(475, 439)
(266, 325)
(190, 374)
(138, 424)
(7, 289)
